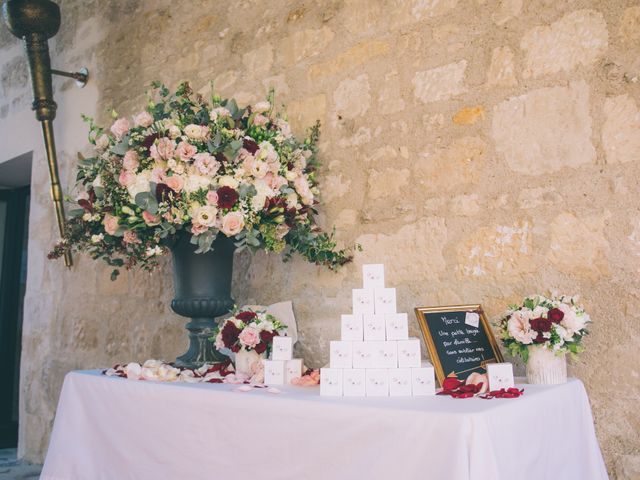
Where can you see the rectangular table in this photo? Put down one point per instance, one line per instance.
(109, 428)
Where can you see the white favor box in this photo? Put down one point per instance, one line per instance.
(351, 328)
(353, 382)
(400, 382)
(385, 300)
(385, 354)
(340, 354)
(292, 369)
(500, 375)
(423, 381)
(397, 326)
(362, 354)
(377, 382)
(409, 353)
(374, 327)
(331, 382)
(273, 372)
(282, 348)
(373, 275)
(363, 301)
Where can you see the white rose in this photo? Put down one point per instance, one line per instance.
(292, 200)
(540, 312)
(259, 169)
(206, 215)
(139, 184)
(228, 181)
(174, 132)
(291, 175)
(196, 182)
(97, 238)
(196, 132)
(573, 322)
(261, 107)
(102, 142)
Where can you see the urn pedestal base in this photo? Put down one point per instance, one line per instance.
(202, 284)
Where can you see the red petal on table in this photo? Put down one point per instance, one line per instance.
(451, 383)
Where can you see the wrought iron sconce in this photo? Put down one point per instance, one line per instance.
(35, 22)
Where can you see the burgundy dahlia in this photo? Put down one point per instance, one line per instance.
(246, 316)
(250, 145)
(227, 197)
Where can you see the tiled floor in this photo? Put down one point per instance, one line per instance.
(11, 469)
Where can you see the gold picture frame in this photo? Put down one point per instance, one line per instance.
(422, 313)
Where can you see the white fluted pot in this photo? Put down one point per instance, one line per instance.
(545, 367)
(245, 361)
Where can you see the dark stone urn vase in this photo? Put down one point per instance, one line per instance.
(202, 284)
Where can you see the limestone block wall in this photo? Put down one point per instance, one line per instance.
(482, 149)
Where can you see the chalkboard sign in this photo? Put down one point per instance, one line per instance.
(459, 339)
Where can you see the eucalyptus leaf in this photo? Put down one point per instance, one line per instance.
(121, 147)
(147, 201)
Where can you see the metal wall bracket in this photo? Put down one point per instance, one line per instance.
(81, 76)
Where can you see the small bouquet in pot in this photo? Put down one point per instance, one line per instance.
(249, 330)
(557, 324)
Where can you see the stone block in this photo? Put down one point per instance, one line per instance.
(440, 83)
(545, 130)
(578, 38)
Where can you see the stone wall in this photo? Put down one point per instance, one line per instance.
(482, 149)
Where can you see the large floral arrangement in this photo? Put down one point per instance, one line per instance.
(186, 165)
(558, 324)
(249, 330)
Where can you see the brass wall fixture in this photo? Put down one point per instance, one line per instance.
(35, 22)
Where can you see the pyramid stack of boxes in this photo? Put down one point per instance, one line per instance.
(282, 367)
(375, 356)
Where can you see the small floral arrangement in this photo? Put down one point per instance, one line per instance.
(558, 324)
(249, 330)
(185, 165)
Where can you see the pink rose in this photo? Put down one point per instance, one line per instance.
(185, 151)
(174, 182)
(275, 182)
(157, 175)
(110, 224)
(126, 177)
(150, 219)
(120, 127)
(232, 223)
(197, 229)
(260, 120)
(130, 237)
(206, 164)
(248, 163)
(212, 197)
(165, 148)
(130, 160)
(249, 337)
(143, 119)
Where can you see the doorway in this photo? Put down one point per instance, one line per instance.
(14, 222)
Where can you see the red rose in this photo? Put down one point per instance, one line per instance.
(246, 316)
(230, 334)
(227, 197)
(540, 325)
(250, 145)
(260, 348)
(555, 315)
(266, 337)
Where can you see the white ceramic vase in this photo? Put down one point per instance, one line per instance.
(245, 360)
(545, 367)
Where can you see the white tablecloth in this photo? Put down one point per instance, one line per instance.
(118, 429)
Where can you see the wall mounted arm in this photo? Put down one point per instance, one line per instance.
(35, 22)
